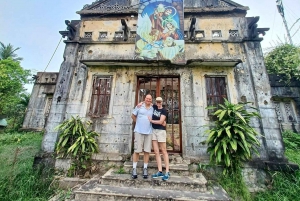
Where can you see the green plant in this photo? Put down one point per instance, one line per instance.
(121, 171)
(291, 140)
(202, 166)
(231, 140)
(77, 143)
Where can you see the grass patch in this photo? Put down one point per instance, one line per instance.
(235, 186)
(285, 186)
(19, 181)
(121, 170)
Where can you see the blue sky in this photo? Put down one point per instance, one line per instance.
(33, 25)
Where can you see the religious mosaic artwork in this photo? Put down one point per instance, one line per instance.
(160, 32)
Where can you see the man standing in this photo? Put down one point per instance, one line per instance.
(142, 134)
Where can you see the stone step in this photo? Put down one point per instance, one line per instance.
(92, 191)
(175, 169)
(196, 183)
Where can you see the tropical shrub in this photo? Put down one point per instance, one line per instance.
(76, 142)
(232, 140)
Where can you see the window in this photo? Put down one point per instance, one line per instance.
(100, 96)
(133, 34)
(48, 105)
(233, 33)
(199, 35)
(118, 36)
(88, 34)
(216, 34)
(186, 35)
(215, 92)
(102, 35)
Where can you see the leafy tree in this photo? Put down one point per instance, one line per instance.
(7, 51)
(12, 79)
(16, 112)
(284, 60)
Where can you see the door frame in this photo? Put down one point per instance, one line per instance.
(158, 77)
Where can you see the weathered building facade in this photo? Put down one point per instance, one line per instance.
(286, 99)
(102, 79)
(40, 102)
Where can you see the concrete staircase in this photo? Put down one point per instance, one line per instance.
(182, 185)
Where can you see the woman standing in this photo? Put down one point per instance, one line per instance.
(159, 136)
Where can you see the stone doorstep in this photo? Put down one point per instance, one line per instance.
(173, 158)
(140, 164)
(106, 193)
(196, 183)
(175, 169)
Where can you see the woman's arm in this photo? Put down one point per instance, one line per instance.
(160, 121)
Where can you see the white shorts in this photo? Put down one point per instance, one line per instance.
(159, 135)
(142, 142)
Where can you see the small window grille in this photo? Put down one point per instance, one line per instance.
(88, 34)
(285, 111)
(102, 35)
(215, 92)
(216, 34)
(278, 111)
(132, 34)
(186, 35)
(199, 35)
(119, 35)
(289, 112)
(100, 96)
(233, 33)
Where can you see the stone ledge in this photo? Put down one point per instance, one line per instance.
(109, 157)
(69, 182)
(278, 166)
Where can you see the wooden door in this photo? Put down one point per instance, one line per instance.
(169, 89)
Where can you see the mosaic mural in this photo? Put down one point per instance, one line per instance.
(160, 33)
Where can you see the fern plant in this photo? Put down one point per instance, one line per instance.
(76, 142)
(232, 140)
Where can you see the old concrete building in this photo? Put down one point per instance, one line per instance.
(286, 99)
(40, 102)
(109, 67)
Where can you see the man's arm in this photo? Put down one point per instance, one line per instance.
(133, 117)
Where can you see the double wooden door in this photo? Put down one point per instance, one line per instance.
(169, 89)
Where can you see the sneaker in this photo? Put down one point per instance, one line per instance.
(166, 176)
(134, 174)
(145, 173)
(158, 174)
